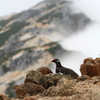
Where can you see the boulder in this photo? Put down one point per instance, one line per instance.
(45, 80)
(63, 88)
(90, 67)
(45, 70)
(4, 97)
(27, 89)
(33, 77)
(83, 78)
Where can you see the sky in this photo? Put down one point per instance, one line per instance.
(10, 6)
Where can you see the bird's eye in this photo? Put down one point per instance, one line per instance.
(58, 61)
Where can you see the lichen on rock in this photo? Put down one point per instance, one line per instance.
(27, 89)
(57, 87)
(63, 88)
(45, 80)
(33, 77)
(44, 70)
(4, 97)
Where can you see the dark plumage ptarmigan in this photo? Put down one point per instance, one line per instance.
(64, 70)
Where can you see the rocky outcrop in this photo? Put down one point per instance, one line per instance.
(4, 97)
(45, 80)
(33, 77)
(27, 89)
(37, 82)
(59, 86)
(90, 67)
(73, 89)
(65, 89)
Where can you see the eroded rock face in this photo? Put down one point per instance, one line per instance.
(28, 89)
(4, 97)
(73, 90)
(46, 98)
(26, 59)
(90, 67)
(86, 88)
(63, 88)
(45, 80)
(83, 78)
(37, 82)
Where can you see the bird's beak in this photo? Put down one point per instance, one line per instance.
(52, 61)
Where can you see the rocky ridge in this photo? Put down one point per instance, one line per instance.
(43, 84)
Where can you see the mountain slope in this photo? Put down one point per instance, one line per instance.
(30, 39)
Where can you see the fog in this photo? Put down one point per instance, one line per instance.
(86, 42)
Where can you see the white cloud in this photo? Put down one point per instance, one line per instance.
(89, 7)
(86, 42)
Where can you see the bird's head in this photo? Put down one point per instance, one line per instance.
(55, 60)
